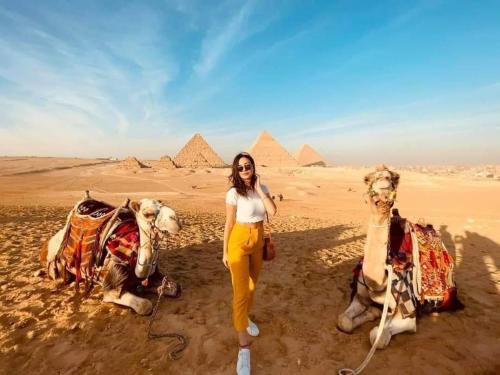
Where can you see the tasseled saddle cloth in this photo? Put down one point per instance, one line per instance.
(435, 278)
(80, 251)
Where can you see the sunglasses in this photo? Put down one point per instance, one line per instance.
(246, 167)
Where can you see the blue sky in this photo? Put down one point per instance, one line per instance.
(362, 82)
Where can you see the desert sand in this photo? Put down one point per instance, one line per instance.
(319, 230)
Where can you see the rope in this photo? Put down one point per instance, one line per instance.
(361, 367)
(175, 353)
(182, 341)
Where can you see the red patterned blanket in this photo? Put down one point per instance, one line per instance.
(124, 242)
(80, 251)
(423, 269)
(435, 271)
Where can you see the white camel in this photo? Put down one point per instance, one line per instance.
(153, 220)
(371, 283)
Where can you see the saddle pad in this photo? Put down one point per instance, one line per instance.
(400, 245)
(81, 242)
(124, 242)
(436, 264)
(94, 208)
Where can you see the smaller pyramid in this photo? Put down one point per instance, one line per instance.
(167, 163)
(266, 151)
(132, 163)
(308, 157)
(197, 153)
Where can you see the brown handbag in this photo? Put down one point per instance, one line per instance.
(269, 252)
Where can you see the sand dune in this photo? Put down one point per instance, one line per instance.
(48, 329)
(12, 166)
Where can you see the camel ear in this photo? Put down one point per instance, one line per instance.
(135, 206)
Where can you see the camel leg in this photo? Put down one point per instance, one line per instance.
(394, 324)
(346, 320)
(141, 306)
(369, 315)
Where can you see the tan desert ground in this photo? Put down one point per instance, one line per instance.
(319, 230)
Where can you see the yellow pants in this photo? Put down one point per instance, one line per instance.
(244, 255)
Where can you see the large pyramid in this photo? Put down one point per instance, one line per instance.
(308, 157)
(268, 152)
(198, 153)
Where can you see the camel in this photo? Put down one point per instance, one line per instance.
(386, 237)
(119, 251)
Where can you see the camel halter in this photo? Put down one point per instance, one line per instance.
(153, 240)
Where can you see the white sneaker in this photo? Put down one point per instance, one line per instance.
(252, 329)
(243, 365)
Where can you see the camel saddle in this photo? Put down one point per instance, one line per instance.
(423, 269)
(80, 249)
(421, 261)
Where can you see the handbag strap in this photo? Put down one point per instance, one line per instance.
(268, 225)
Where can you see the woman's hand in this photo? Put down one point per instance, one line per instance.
(228, 227)
(258, 186)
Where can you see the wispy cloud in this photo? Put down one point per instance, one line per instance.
(118, 77)
(101, 75)
(221, 38)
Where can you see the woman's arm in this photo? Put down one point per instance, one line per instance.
(269, 204)
(230, 220)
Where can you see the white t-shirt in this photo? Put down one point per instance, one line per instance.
(249, 209)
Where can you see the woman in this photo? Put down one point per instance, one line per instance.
(247, 203)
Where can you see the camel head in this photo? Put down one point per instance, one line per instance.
(155, 220)
(382, 187)
(150, 212)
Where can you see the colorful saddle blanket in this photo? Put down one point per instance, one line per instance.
(423, 269)
(124, 242)
(435, 268)
(81, 252)
(400, 250)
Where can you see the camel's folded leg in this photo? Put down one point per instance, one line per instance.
(394, 324)
(356, 314)
(370, 314)
(141, 306)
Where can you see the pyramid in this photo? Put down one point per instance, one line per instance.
(268, 152)
(308, 157)
(132, 163)
(197, 153)
(167, 162)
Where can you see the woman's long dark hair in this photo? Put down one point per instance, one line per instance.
(236, 180)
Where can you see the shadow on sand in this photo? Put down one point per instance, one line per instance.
(298, 297)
